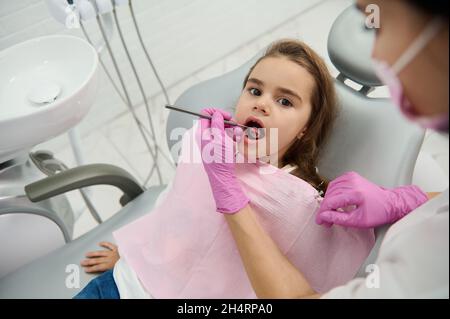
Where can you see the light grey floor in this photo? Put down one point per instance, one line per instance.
(192, 41)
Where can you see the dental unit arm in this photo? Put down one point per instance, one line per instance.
(84, 176)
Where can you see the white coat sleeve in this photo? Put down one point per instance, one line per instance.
(413, 260)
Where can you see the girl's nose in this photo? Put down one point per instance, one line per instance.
(262, 107)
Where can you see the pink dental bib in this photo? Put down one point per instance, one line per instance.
(184, 249)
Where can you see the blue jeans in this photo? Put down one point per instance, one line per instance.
(102, 287)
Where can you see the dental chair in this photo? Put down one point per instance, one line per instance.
(370, 137)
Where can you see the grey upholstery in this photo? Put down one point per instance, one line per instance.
(350, 46)
(370, 137)
(46, 277)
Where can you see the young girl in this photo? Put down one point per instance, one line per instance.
(184, 249)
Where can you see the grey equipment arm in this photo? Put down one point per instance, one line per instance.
(83, 176)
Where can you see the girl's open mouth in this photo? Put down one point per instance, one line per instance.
(256, 128)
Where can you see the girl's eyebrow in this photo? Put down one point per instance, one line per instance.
(290, 92)
(281, 89)
(256, 81)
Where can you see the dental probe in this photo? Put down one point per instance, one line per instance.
(204, 116)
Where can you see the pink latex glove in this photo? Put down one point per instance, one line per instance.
(353, 201)
(227, 192)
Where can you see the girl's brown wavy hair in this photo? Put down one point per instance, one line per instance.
(304, 152)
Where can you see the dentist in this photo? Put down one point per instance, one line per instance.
(411, 56)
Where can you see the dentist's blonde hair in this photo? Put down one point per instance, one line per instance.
(304, 152)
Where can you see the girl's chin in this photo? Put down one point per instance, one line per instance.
(249, 151)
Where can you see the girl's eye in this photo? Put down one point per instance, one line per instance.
(254, 91)
(285, 102)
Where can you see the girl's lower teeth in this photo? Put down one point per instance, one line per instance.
(255, 133)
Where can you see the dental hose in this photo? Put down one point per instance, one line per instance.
(141, 89)
(129, 104)
(108, 74)
(147, 55)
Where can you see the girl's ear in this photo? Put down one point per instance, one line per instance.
(300, 135)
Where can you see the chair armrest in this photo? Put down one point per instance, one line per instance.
(84, 176)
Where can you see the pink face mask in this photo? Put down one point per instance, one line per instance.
(389, 76)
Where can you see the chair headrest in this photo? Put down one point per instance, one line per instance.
(384, 153)
(350, 45)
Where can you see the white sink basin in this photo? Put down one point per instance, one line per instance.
(47, 86)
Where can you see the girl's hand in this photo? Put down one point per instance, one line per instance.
(218, 160)
(101, 260)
